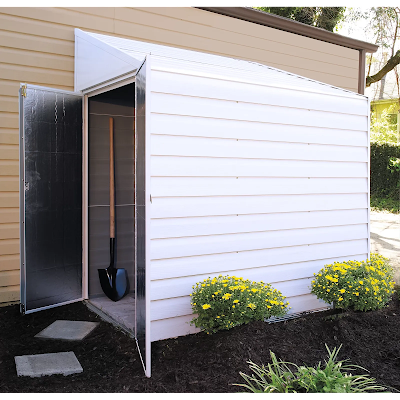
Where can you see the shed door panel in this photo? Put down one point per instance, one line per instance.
(51, 198)
(142, 335)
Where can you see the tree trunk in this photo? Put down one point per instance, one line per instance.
(393, 61)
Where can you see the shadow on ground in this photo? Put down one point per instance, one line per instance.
(385, 238)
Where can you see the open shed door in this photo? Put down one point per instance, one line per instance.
(50, 197)
(142, 210)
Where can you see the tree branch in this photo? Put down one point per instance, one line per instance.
(392, 62)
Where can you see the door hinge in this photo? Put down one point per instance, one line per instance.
(23, 90)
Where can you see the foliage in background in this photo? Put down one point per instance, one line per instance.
(360, 285)
(226, 301)
(385, 171)
(320, 17)
(286, 377)
(388, 205)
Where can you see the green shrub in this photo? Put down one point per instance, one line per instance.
(385, 204)
(361, 285)
(285, 377)
(226, 301)
(385, 172)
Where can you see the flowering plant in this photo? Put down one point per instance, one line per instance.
(226, 301)
(361, 285)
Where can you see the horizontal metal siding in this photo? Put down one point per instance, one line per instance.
(169, 207)
(164, 228)
(227, 129)
(185, 146)
(249, 241)
(244, 111)
(183, 166)
(182, 286)
(215, 263)
(221, 205)
(248, 186)
(180, 325)
(226, 87)
(178, 306)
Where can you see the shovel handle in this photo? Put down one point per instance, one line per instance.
(112, 185)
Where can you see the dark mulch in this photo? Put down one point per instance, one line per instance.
(201, 362)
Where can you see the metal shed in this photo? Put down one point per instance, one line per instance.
(223, 166)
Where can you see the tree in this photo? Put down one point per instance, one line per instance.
(321, 17)
(384, 23)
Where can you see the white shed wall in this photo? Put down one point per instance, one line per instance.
(261, 181)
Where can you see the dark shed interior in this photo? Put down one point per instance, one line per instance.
(119, 104)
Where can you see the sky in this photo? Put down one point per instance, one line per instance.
(356, 30)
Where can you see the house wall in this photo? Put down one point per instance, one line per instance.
(37, 46)
(378, 107)
(251, 180)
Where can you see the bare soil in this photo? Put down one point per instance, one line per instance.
(200, 362)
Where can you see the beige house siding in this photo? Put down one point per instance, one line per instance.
(37, 46)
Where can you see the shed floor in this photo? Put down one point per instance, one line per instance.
(122, 311)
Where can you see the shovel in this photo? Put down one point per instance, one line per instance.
(113, 281)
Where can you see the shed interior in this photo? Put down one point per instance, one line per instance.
(119, 104)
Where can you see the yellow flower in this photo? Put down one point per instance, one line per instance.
(235, 301)
(252, 306)
(206, 306)
(340, 298)
(341, 290)
(366, 289)
(226, 296)
(360, 282)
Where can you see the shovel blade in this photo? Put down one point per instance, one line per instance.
(117, 287)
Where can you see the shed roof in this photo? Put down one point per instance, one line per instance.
(94, 53)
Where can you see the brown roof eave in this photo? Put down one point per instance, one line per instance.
(288, 25)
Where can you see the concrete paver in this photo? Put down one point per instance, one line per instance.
(67, 330)
(37, 365)
(385, 238)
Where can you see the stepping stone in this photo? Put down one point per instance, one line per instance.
(64, 363)
(67, 330)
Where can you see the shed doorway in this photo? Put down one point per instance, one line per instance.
(118, 104)
(64, 202)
